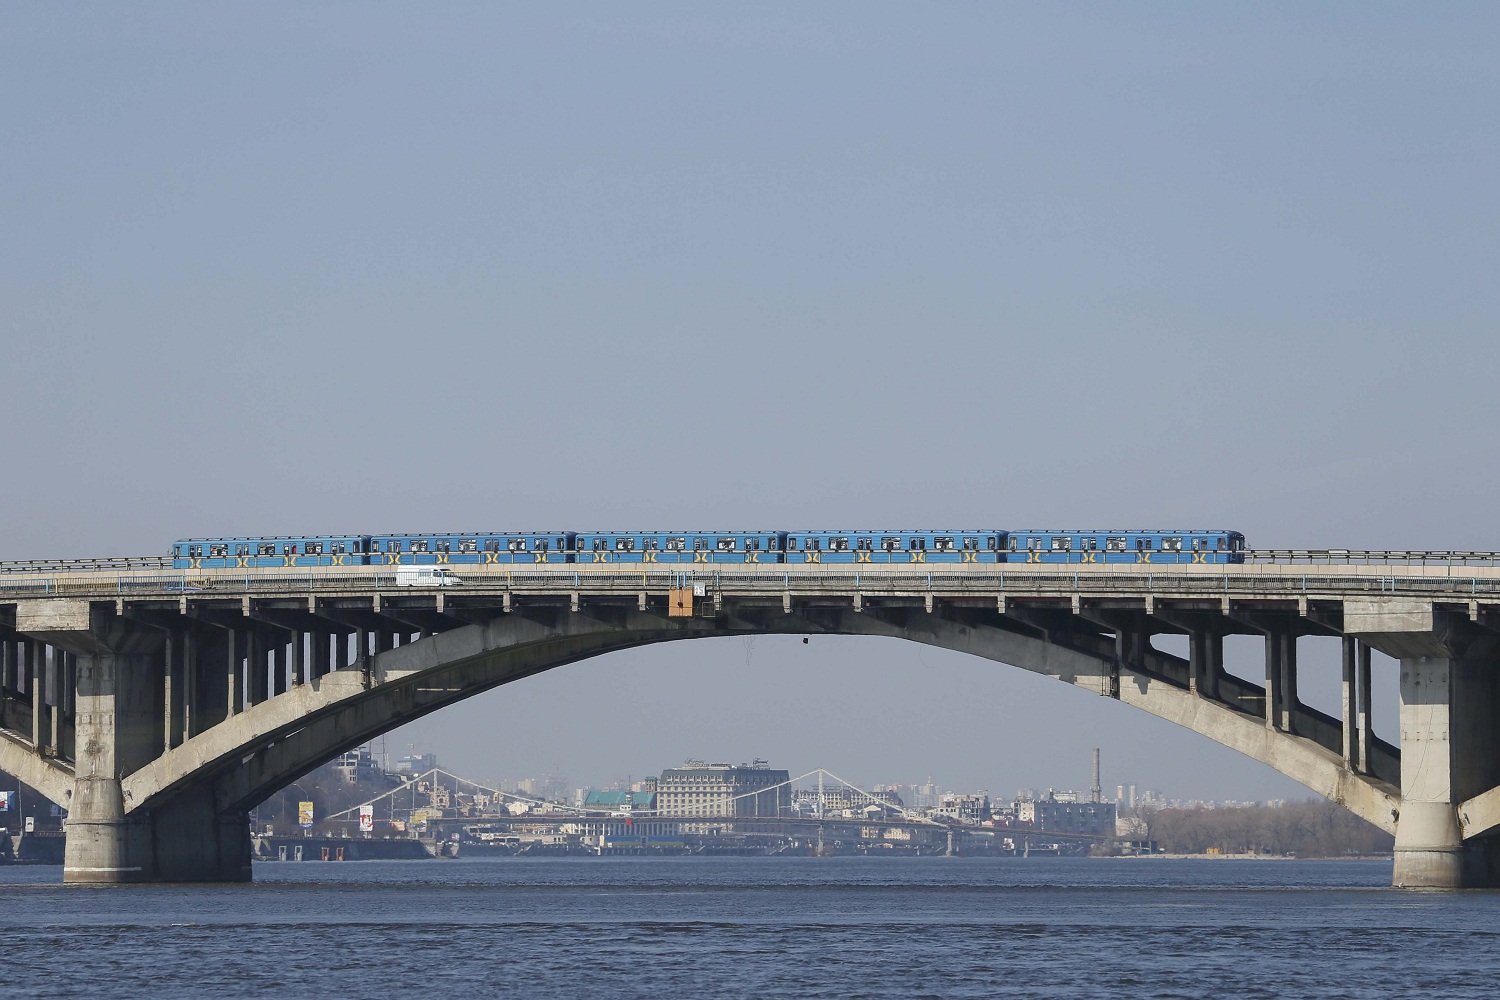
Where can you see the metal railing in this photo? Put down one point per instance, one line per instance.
(753, 583)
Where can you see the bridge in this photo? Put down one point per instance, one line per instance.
(158, 706)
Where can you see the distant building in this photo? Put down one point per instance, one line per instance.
(1063, 813)
(357, 765)
(702, 789)
(971, 809)
(619, 803)
(416, 764)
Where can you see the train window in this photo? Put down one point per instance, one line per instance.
(601, 545)
(917, 544)
(942, 544)
(1199, 544)
(266, 549)
(515, 545)
(492, 545)
(313, 548)
(468, 545)
(195, 551)
(724, 544)
(838, 545)
(442, 545)
(419, 545)
(1033, 544)
(541, 544)
(624, 544)
(1171, 545)
(889, 543)
(393, 545)
(1088, 544)
(991, 543)
(752, 544)
(1062, 543)
(772, 544)
(648, 545)
(242, 550)
(971, 545)
(1114, 545)
(812, 545)
(290, 549)
(699, 544)
(337, 548)
(1237, 545)
(218, 551)
(864, 544)
(791, 543)
(676, 544)
(1143, 545)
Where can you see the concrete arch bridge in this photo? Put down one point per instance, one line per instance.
(160, 707)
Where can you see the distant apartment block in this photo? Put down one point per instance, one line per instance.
(698, 788)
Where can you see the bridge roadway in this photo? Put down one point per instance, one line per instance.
(160, 705)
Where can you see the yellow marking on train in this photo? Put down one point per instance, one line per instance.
(196, 563)
(700, 557)
(1090, 557)
(1199, 557)
(1143, 557)
(919, 556)
(601, 557)
(971, 557)
(1033, 555)
(862, 556)
(752, 556)
(242, 562)
(648, 557)
(813, 556)
(490, 558)
(541, 557)
(442, 557)
(339, 558)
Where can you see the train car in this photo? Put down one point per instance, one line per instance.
(271, 551)
(474, 548)
(1180, 546)
(947, 546)
(681, 546)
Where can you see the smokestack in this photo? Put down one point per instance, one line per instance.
(1096, 793)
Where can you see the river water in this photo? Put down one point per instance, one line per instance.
(756, 927)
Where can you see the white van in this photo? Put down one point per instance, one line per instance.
(426, 576)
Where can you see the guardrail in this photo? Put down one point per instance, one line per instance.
(117, 563)
(750, 584)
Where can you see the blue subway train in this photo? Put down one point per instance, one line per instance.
(775, 547)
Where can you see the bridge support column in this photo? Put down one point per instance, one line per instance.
(1449, 743)
(118, 713)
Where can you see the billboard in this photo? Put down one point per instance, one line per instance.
(366, 819)
(305, 815)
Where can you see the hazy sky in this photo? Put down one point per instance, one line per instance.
(298, 268)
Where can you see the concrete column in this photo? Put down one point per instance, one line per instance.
(1349, 704)
(1206, 662)
(55, 694)
(320, 646)
(189, 686)
(278, 667)
(1449, 744)
(258, 672)
(298, 664)
(36, 665)
(1289, 701)
(171, 691)
(232, 670)
(7, 678)
(1363, 713)
(340, 650)
(1273, 681)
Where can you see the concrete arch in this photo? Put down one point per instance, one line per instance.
(226, 769)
